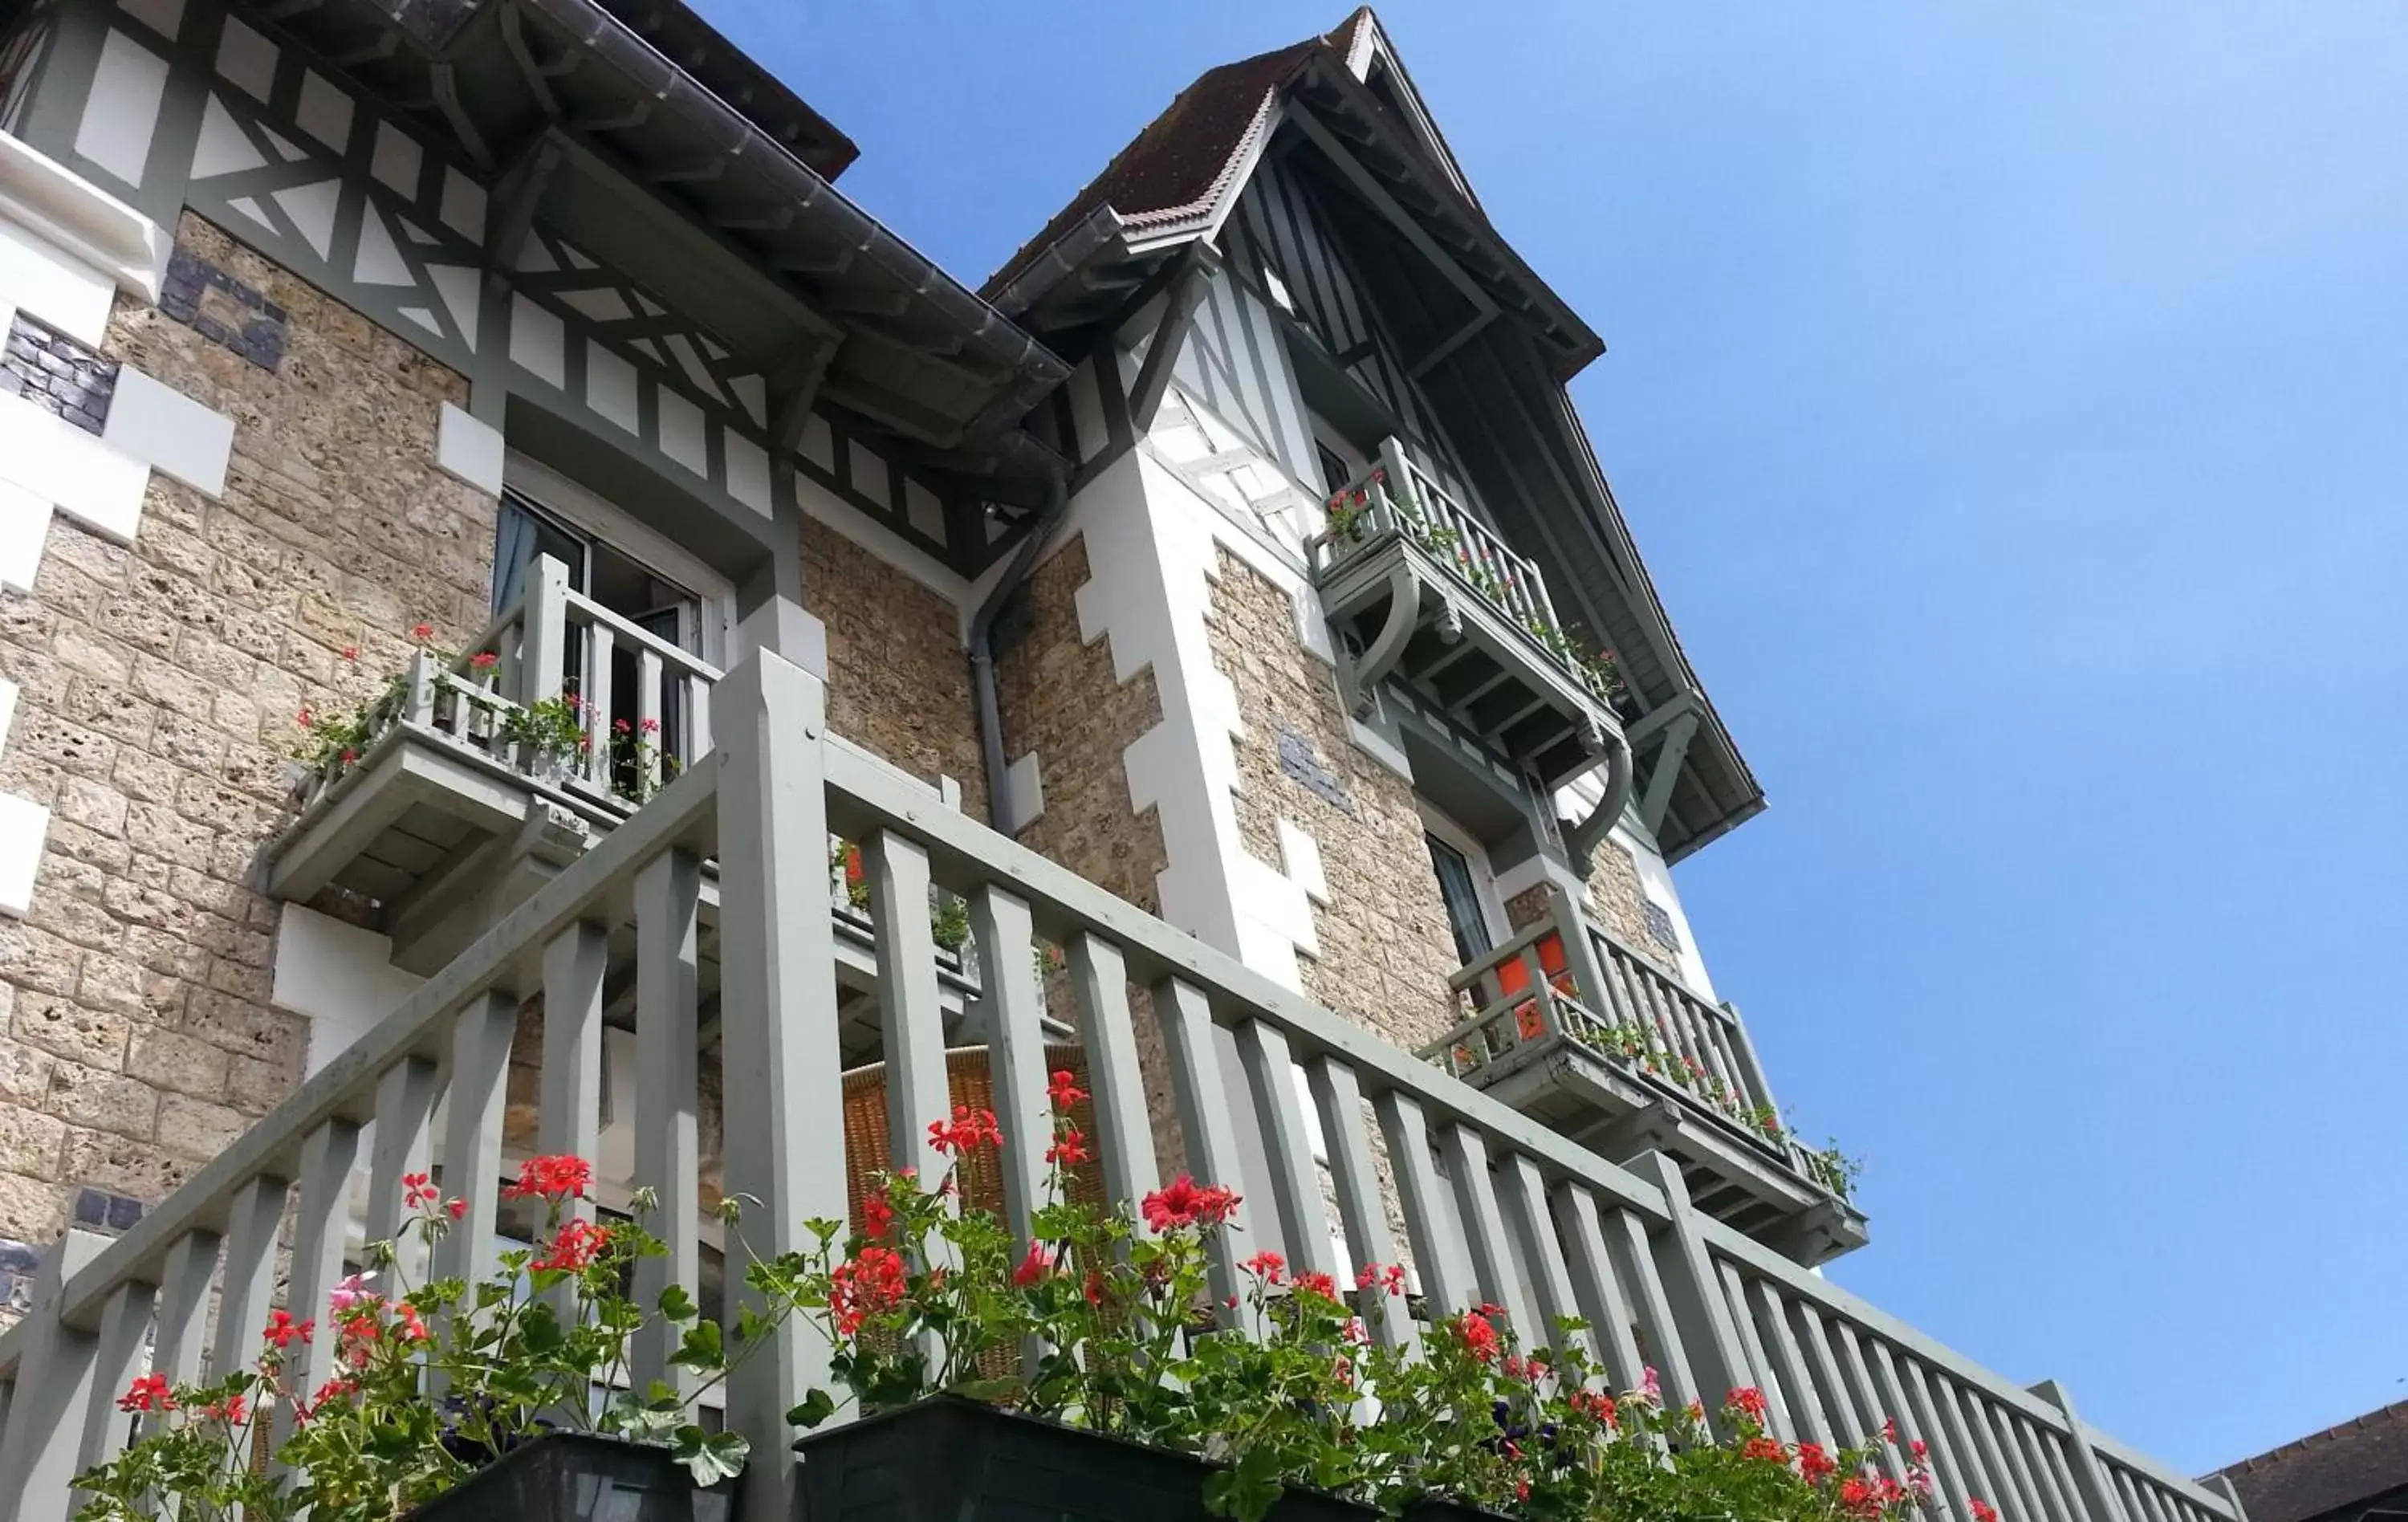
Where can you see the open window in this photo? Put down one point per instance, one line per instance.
(628, 570)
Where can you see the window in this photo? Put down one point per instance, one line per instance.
(1334, 473)
(1466, 915)
(645, 580)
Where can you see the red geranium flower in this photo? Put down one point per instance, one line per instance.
(415, 1190)
(1267, 1266)
(1036, 1266)
(422, 632)
(1748, 1401)
(1064, 1090)
(283, 1330)
(1479, 1337)
(1311, 1283)
(147, 1394)
(574, 1247)
(484, 660)
(1982, 1511)
(1186, 1202)
(551, 1178)
(1068, 1150)
(1814, 1463)
(971, 1131)
(1766, 1449)
(873, 1280)
(877, 1214)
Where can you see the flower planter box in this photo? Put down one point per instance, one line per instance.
(580, 1478)
(955, 1460)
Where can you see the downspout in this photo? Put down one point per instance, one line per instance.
(981, 641)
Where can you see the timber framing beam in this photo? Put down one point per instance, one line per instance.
(1198, 266)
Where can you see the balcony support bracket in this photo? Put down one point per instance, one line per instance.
(1388, 646)
(1582, 835)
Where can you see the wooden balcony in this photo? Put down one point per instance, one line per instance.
(1423, 594)
(1575, 1029)
(1494, 1206)
(457, 807)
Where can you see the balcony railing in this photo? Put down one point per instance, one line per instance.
(557, 721)
(1494, 1207)
(1430, 595)
(1563, 981)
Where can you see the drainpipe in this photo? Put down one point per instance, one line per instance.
(982, 640)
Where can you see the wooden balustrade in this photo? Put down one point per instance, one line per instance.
(1494, 1207)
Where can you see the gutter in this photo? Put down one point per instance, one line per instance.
(982, 632)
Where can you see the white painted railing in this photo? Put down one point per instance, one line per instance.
(537, 692)
(1494, 1207)
(1565, 978)
(1396, 499)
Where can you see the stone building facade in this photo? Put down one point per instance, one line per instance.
(283, 437)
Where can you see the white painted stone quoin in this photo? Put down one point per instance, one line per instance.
(68, 249)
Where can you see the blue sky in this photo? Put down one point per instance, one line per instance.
(2011, 403)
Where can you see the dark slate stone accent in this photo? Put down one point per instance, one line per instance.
(19, 1256)
(259, 338)
(1659, 926)
(57, 374)
(105, 1212)
(1297, 758)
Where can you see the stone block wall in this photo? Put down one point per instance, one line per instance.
(1385, 951)
(160, 681)
(899, 681)
(1061, 700)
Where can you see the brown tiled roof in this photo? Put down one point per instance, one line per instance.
(2327, 1472)
(1183, 156)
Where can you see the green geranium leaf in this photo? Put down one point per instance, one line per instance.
(710, 1456)
(701, 1350)
(816, 1408)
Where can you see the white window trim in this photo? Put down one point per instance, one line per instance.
(1483, 876)
(582, 510)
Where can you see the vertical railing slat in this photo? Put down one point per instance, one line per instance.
(1522, 1196)
(1844, 1424)
(1207, 1121)
(2028, 1497)
(1973, 1414)
(1751, 1346)
(1628, 1244)
(569, 1117)
(328, 1154)
(51, 1393)
(600, 642)
(248, 1288)
(911, 1018)
(1296, 1181)
(1124, 1127)
(1466, 1151)
(185, 1284)
(118, 1352)
(1338, 1097)
(696, 739)
(2080, 1501)
(1717, 1362)
(405, 1146)
(1877, 1386)
(1950, 1464)
(1440, 1258)
(1596, 1286)
(1761, 1304)
(1014, 1007)
(650, 705)
(668, 1101)
(472, 1133)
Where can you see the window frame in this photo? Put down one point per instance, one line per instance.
(1441, 827)
(597, 518)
